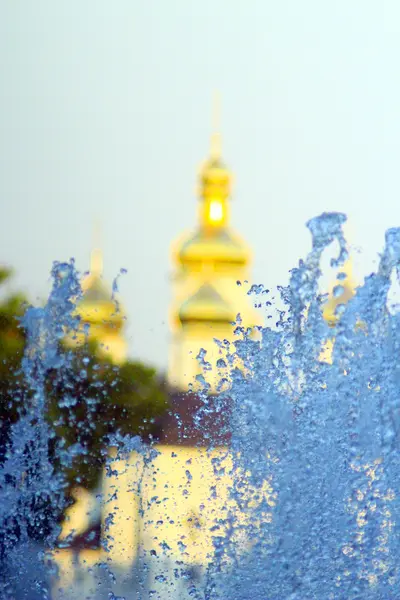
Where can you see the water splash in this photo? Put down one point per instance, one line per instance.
(32, 491)
(325, 437)
(313, 509)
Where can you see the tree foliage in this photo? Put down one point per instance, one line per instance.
(103, 399)
(88, 398)
(12, 343)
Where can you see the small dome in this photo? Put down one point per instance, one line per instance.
(97, 305)
(215, 179)
(215, 170)
(206, 305)
(220, 245)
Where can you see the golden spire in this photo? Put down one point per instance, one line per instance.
(96, 256)
(98, 309)
(216, 126)
(215, 182)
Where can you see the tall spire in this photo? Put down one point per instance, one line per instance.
(96, 256)
(215, 180)
(216, 127)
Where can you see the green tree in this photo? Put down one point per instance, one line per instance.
(103, 399)
(12, 343)
(89, 398)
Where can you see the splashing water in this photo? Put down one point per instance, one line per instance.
(313, 509)
(31, 489)
(326, 438)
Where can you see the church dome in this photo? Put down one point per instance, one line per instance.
(206, 306)
(101, 317)
(97, 305)
(221, 245)
(214, 168)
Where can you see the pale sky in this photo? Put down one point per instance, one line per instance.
(105, 113)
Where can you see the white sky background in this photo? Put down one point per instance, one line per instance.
(105, 114)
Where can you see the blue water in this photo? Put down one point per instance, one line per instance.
(325, 436)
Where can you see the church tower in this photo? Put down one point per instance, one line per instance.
(211, 266)
(102, 318)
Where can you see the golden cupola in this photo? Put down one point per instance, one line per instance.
(206, 305)
(208, 261)
(97, 306)
(214, 189)
(101, 316)
(213, 243)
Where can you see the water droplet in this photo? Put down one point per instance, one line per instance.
(338, 290)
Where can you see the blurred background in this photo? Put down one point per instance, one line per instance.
(105, 115)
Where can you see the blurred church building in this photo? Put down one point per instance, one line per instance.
(210, 283)
(154, 520)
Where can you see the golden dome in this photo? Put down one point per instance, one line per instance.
(97, 305)
(206, 306)
(215, 178)
(213, 241)
(220, 246)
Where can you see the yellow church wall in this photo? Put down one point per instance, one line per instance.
(182, 499)
(120, 508)
(166, 508)
(184, 366)
(76, 568)
(172, 508)
(77, 516)
(76, 521)
(65, 561)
